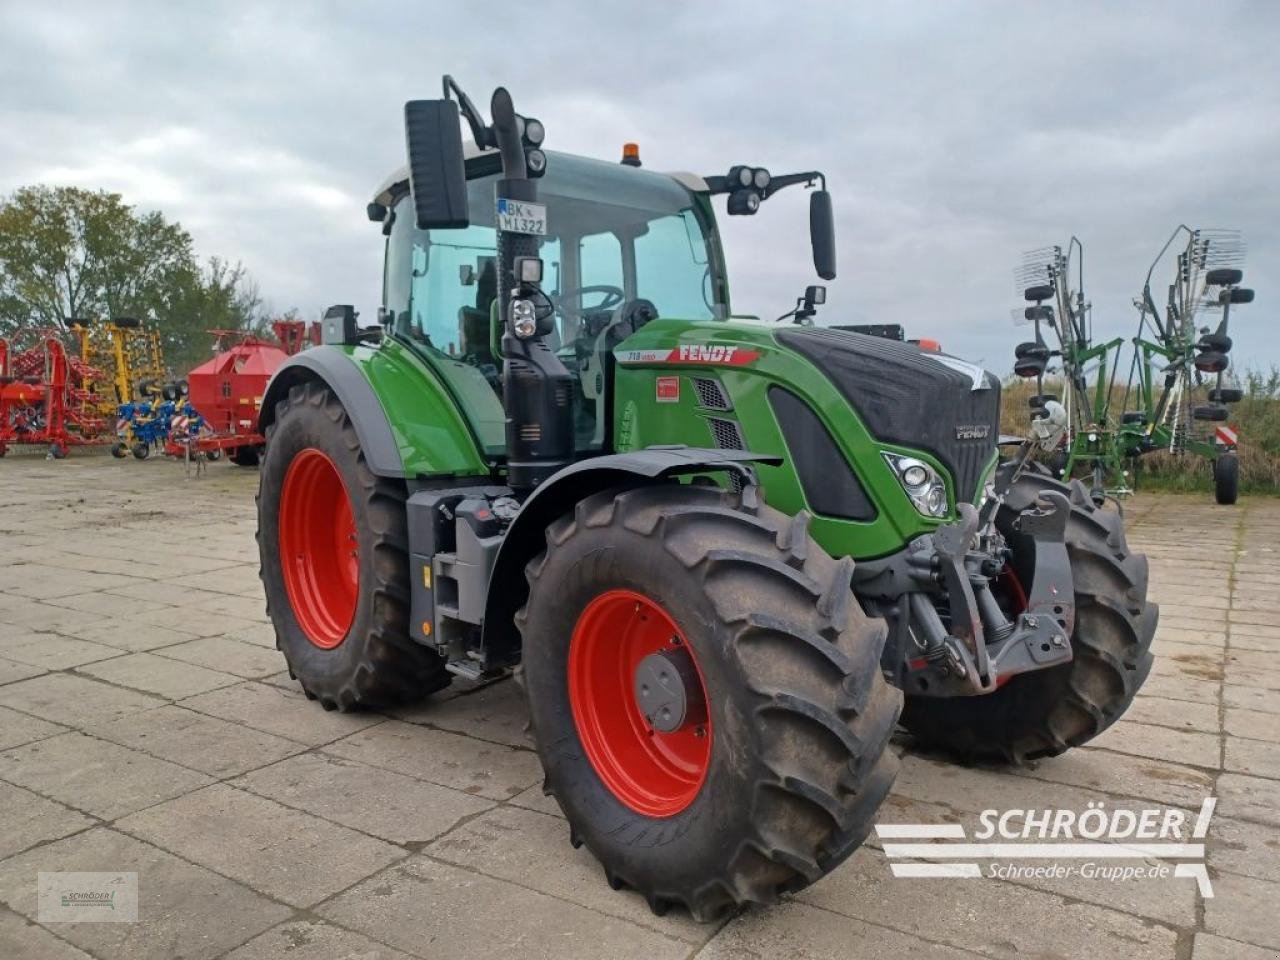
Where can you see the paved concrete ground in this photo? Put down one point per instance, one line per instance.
(146, 725)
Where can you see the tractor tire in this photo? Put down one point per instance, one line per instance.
(1209, 412)
(782, 758)
(1226, 479)
(141, 451)
(1038, 293)
(1226, 395)
(1223, 277)
(119, 450)
(1242, 295)
(244, 456)
(1046, 712)
(340, 606)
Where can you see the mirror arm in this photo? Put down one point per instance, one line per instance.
(482, 134)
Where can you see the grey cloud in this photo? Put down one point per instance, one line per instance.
(954, 135)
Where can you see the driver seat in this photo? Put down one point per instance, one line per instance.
(474, 342)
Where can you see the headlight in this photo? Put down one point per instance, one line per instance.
(923, 484)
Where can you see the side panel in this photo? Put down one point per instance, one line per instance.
(408, 422)
(651, 409)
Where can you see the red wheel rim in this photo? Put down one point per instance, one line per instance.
(656, 774)
(318, 548)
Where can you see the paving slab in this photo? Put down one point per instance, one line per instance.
(1255, 757)
(1252, 724)
(494, 712)
(60, 653)
(1249, 798)
(19, 728)
(801, 930)
(30, 819)
(96, 776)
(314, 940)
(280, 711)
(184, 910)
(480, 916)
(23, 940)
(1244, 908)
(388, 805)
(533, 850)
(449, 759)
(159, 675)
(286, 854)
(1210, 947)
(11, 671)
(998, 919)
(245, 660)
(74, 700)
(192, 739)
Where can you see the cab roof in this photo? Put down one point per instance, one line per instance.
(398, 182)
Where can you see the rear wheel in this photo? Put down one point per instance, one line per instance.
(1226, 479)
(705, 694)
(333, 544)
(1044, 713)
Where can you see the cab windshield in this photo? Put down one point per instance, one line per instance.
(619, 240)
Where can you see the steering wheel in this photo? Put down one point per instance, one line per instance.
(611, 297)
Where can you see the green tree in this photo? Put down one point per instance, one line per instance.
(68, 252)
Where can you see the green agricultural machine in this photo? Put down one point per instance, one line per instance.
(1053, 287)
(1179, 376)
(1186, 409)
(724, 557)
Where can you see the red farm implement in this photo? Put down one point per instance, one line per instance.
(227, 391)
(48, 397)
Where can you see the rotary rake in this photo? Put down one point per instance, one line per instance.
(1187, 411)
(1052, 283)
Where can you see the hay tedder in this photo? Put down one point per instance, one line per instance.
(724, 554)
(1179, 375)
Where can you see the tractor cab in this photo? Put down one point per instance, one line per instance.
(620, 246)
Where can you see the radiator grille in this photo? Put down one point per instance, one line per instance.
(711, 394)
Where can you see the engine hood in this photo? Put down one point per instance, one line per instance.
(910, 397)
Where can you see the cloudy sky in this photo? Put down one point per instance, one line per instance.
(954, 135)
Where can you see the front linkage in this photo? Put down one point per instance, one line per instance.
(949, 633)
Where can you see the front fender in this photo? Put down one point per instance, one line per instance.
(526, 537)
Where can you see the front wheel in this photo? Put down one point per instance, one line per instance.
(1043, 713)
(333, 543)
(705, 694)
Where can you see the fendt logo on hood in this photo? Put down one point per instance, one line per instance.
(720, 354)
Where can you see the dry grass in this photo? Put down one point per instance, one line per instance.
(1256, 418)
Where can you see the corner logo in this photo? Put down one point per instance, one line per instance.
(1075, 844)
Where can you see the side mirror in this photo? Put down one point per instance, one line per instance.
(437, 176)
(822, 234)
(815, 295)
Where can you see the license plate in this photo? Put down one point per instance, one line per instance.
(518, 216)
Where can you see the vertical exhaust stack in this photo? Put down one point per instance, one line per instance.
(536, 388)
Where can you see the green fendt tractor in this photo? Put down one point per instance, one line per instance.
(721, 552)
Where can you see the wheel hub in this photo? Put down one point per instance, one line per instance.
(668, 691)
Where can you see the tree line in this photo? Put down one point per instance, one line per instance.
(66, 253)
